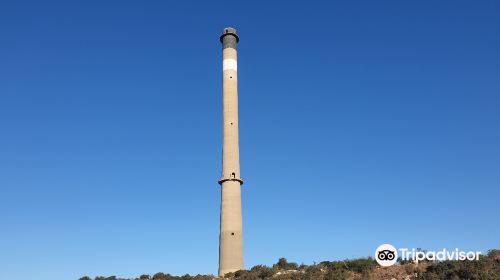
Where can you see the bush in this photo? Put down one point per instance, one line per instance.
(262, 271)
(361, 265)
(283, 264)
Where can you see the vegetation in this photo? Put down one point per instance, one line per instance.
(486, 268)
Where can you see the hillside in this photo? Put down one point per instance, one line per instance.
(486, 268)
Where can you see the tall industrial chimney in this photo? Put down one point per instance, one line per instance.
(231, 229)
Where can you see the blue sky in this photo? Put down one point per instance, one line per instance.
(361, 123)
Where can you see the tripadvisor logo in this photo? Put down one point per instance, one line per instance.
(387, 255)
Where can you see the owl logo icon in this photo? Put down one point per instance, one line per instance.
(386, 255)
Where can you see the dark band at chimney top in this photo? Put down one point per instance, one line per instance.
(229, 38)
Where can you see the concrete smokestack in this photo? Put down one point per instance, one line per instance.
(231, 229)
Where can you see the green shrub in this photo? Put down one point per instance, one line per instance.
(283, 264)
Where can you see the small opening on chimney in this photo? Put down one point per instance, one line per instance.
(230, 77)
(232, 233)
(233, 175)
(231, 123)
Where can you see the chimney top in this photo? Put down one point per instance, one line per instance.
(229, 31)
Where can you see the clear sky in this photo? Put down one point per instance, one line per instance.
(361, 123)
